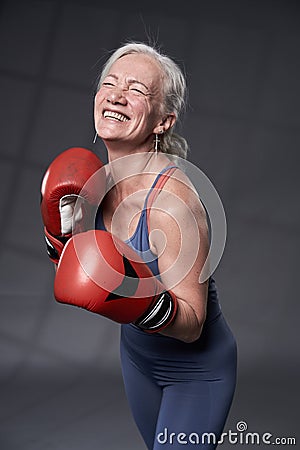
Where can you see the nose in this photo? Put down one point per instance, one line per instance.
(116, 95)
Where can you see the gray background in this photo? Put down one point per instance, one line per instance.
(60, 380)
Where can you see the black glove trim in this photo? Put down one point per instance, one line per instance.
(159, 314)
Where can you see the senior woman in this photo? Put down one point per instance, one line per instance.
(180, 377)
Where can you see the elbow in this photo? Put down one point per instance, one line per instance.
(193, 333)
(191, 337)
(186, 327)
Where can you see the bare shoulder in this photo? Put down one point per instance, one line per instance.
(178, 229)
(179, 195)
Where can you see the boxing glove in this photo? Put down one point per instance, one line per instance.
(64, 182)
(102, 274)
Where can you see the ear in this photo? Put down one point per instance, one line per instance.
(167, 122)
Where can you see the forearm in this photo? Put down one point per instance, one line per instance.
(187, 325)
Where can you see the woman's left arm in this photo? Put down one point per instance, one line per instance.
(179, 237)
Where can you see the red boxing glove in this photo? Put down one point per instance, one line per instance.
(102, 274)
(61, 187)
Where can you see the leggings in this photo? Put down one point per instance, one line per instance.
(180, 394)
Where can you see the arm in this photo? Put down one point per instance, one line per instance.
(180, 239)
(101, 273)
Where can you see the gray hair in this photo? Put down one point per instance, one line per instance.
(174, 91)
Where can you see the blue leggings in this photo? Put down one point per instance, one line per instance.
(178, 391)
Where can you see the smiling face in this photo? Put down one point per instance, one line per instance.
(128, 105)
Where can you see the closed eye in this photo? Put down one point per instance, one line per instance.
(139, 91)
(108, 84)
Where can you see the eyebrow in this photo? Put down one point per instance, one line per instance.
(130, 80)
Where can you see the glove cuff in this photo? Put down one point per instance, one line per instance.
(54, 245)
(161, 313)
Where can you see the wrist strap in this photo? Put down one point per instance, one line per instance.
(160, 314)
(54, 245)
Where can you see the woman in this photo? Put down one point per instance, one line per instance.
(180, 381)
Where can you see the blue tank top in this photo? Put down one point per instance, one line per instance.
(139, 241)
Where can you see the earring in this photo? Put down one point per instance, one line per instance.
(157, 141)
(95, 138)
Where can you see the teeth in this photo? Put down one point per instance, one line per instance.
(115, 115)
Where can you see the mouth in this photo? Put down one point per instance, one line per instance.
(115, 116)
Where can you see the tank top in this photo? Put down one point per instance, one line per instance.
(139, 241)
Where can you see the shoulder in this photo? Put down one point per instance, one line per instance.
(179, 195)
(178, 224)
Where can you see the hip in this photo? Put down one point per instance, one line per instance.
(213, 356)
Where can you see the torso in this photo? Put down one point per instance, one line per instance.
(126, 217)
(122, 209)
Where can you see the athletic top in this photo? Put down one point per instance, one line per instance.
(139, 241)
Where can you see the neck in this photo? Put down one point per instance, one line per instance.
(118, 148)
(125, 170)
(124, 166)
